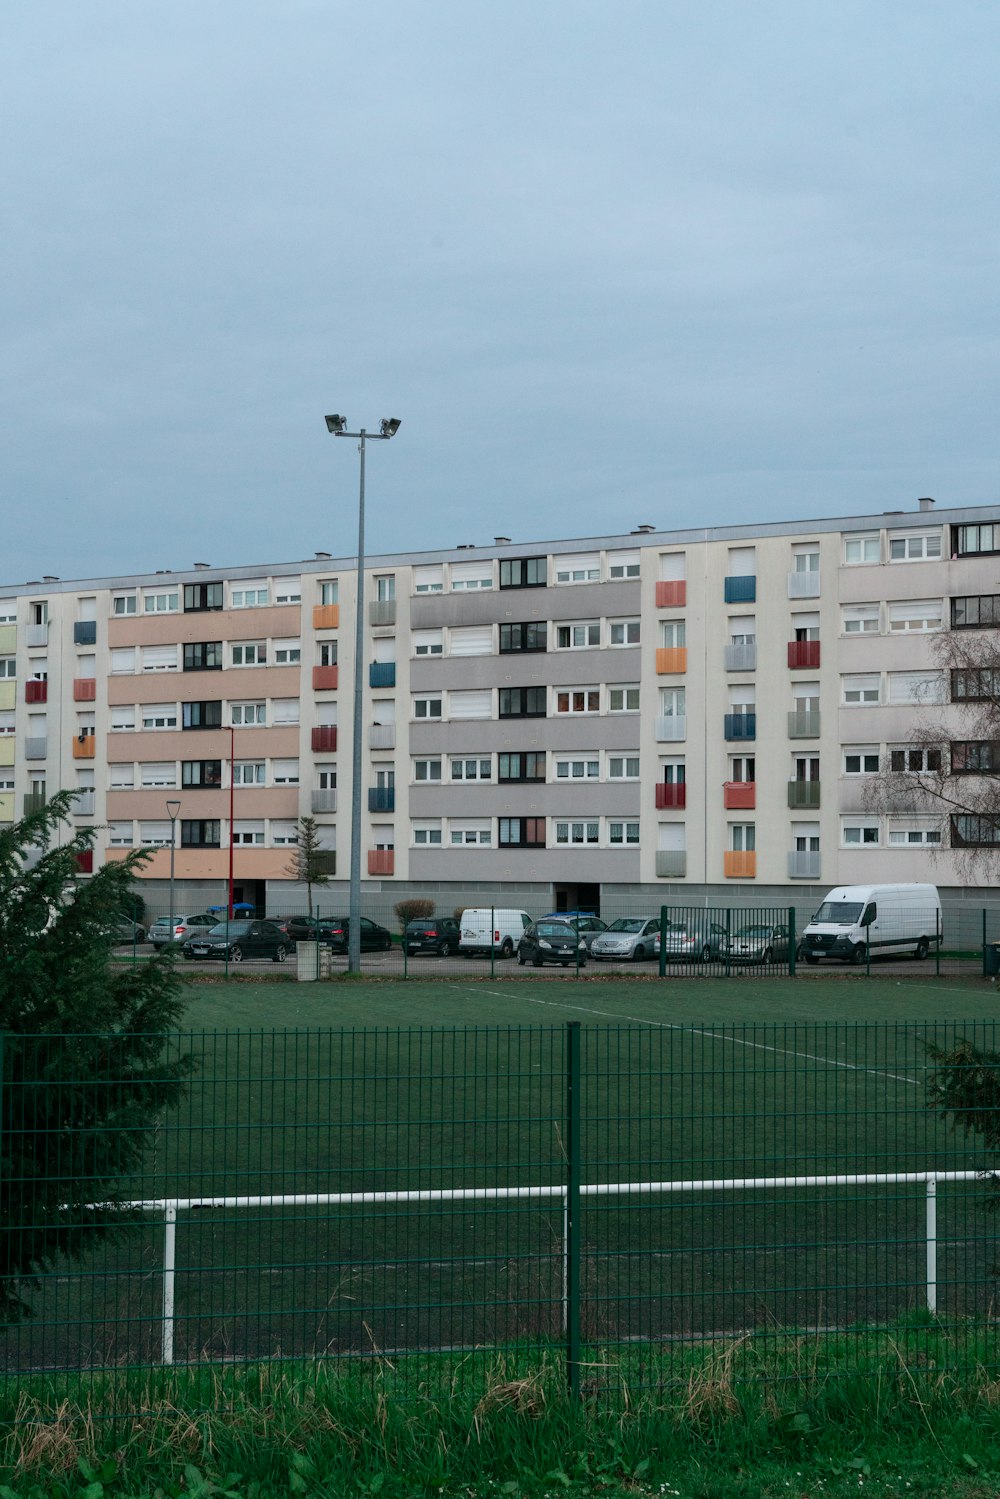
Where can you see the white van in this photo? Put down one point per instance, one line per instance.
(884, 918)
(496, 928)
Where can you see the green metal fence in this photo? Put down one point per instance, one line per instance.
(613, 1198)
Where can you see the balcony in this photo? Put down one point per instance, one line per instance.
(671, 794)
(84, 689)
(740, 590)
(85, 632)
(8, 694)
(803, 655)
(671, 728)
(36, 692)
(671, 595)
(382, 674)
(84, 746)
(381, 799)
(741, 726)
(8, 640)
(382, 736)
(6, 806)
(326, 616)
(804, 724)
(324, 737)
(803, 585)
(381, 861)
(671, 658)
(323, 801)
(36, 749)
(34, 801)
(671, 863)
(740, 657)
(382, 612)
(36, 634)
(325, 678)
(803, 794)
(804, 866)
(739, 795)
(739, 866)
(83, 804)
(85, 861)
(6, 749)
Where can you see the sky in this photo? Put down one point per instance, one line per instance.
(617, 263)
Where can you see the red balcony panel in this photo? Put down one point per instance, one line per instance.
(325, 678)
(671, 595)
(739, 795)
(324, 737)
(803, 654)
(381, 861)
(36, 692)
(671, 794)
(84, 689)
(85, 861)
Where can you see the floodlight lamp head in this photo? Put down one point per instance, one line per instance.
(390, 426)
(337, 425)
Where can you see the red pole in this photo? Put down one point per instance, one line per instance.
(232, 778)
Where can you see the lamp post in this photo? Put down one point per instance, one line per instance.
(337, 426)
(172, 810)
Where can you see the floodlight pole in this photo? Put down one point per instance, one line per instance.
(336, 425)
(173, 807)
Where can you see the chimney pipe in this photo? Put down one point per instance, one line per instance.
(926, 504)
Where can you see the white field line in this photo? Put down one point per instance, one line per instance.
(669, 1025)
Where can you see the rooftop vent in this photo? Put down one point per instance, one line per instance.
(501, 541)
(49, 578)
(893, 512)
(926, 504)
(466, 546)
(202, 566)
(642, 530)
(324, 554)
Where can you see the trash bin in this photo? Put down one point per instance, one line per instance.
(306, 962)
(991, 956)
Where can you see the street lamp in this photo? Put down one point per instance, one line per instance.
(172, 810)
(337, 427)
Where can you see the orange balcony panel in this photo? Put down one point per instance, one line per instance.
(803, 653)
(326, 616)
(739, 795)
(671, 658)
(36, 692)
(739, 866)
(325, 677)
(381, 861)
(671, 595)
(670, 794)
(84, 689)
(324, 737)
(83, 746)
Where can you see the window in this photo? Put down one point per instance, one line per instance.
(329, 591)
(916, 687)
(245, 832)
(287, 652)
(249, 713)
(522, 572)
(969, 831)
(203, 715)
(159, 715)
(623, 565)
(576, 700)
(673, 634)
(859, 619)
(578, 637)
(8, 612)
(123, 660)
(916, 546)
(249, 653)
(86, 668)
(582, 569)
(476, 640)
(121, 776)
(285, 834)
(428, 579)
(85, 724)
(623, 699)
(38, 613)
(472, 770)
(972, 540)
(578, 768)
(199, 597)
(623, 767)
(914, 835)
(529, 636)
(284, 710)
(805, 768)
(527, 765)
(285, 772)
(385, 587)
(326, 777)
(976, 612)
(861, 759)
(86, 610)
(161, 603)
(623, 632)
(427, 835)
(203, 655)
(743, 768)
(427, 770)
(913, 759)
(428, 642)
(200, 833)
(427, 707)
(522, 702)
(860, 834)
(249, 595)
(124, 603)
(469, 834)
(8, 666)
(742, 837)
(7, 721)
(156, 773)
(201, 774)
(159, 658)
(521, 832)
(120, 834)
(469, 576)
(472, 703)
(916, 615)
(327, 653)
(249, 773)
(623, 832)
(861, 549)
(673, 702)
(974, 684)
(288, 590)
(805, 557)
(975, 757)
(124, 718)
(578, 832)
(861, 689)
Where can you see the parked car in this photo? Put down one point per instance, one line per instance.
(587, 924)
(332, 932)
(692, 942)
(628, 937)
(237, 940)
(184, 927)
(758, 942)
(437, 934)
(552, 941)
(496, 929)
(127, 930)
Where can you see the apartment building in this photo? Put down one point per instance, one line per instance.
(659, 714)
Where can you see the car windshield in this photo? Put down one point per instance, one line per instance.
(553, 929)
(839, 912)
(230, 928)
(627, 924)
(752, 931)
(422, 926)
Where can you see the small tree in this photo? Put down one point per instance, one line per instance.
(309, 863)
(86, 1069)
(412, 910)
(965, 1087)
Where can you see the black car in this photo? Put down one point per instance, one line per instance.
(237, 940)
(332, 932)
(549, 941)
(437, 934)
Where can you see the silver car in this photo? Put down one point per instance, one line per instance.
(758, 942)
(693, 943)
(628, 937)
(184, 927)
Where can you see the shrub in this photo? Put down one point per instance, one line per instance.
(413, 910)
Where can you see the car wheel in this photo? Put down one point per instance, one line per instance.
(520, 960)
(857, 956)
(507, 949)
(140, 935)
(236, 955)
(706, 954)
(923, 949)
(445, 950)
(536, 962)
(188, 957)
(767, 955)
(280, 954)
(811, 959)
(639, 953)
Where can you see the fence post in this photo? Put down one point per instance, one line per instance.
(984, 942)
(937, 945)
(492, 943)
(573, 1207)
(931, 1235)
(169, 1267)
(663, 942)
(793, 942)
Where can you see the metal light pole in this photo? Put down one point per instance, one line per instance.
(172, 810)
(389, 426)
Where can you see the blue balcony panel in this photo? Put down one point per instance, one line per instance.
(741, 590)
(382, 674)
(741, 726)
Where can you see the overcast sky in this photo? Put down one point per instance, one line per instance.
(619, 262)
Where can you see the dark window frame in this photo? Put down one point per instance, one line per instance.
(979, 623)
(188, 716)
(985, 681)
(524, 695)
(522, 756)
(523, 828)
(969, 830)
(521, 572)
(190, 663)
(199, 598)
(957, 550)
(212, 782)
(201, 832)
(514, 638)
(959, 755)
